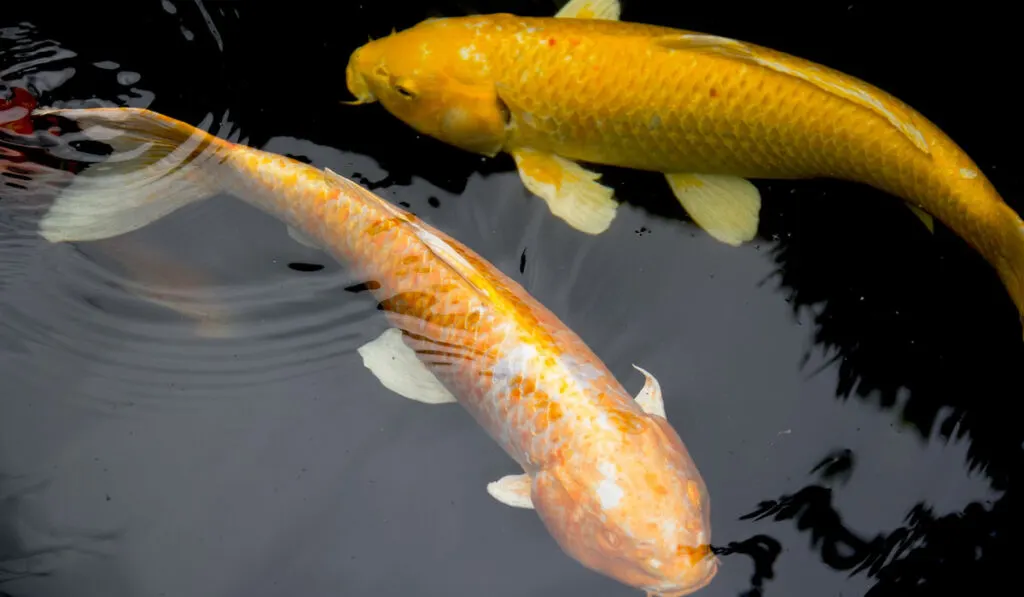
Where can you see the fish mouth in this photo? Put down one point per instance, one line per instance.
(356, 83)
(710, 565)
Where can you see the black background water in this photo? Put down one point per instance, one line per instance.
(847, 383)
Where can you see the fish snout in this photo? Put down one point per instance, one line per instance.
(355, 79)
(689, 578)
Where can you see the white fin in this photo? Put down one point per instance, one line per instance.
(156, 168)
(924, 216)
(727, 207)
(649, 397)
(836, 83)
(571, 191)
(591, 9)
(302, 238)
(400, 370)
(512, 490)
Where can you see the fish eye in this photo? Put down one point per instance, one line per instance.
(404, 91)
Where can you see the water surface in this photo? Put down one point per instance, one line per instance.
(184, 412)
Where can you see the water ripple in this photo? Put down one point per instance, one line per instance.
(136, 318)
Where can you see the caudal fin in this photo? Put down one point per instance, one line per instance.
(1012, 269)
(159, 165)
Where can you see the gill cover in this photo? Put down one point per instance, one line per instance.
(471, 117)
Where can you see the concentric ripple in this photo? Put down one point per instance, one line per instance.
(200, 304)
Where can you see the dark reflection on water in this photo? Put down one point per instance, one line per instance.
(184, 412)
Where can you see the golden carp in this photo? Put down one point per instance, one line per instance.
(607, 474)
(708, 112)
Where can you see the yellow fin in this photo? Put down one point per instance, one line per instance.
(512, 490)
(591, 9)
(713, 43)
(727, 207)
(571, 191)
(925, 217)
(831, 81)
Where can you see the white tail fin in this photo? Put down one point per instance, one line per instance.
(157, 167)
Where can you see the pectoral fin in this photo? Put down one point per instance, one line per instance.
(649, 397)
(924, 216)
(571, 191)
(727, 207)
(591, 9)
(398, 368)
(302, 238)
(512, 490)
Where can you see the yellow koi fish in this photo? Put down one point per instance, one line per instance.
(706, 111)
(606, 473)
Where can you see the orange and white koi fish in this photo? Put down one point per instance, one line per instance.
(607, 474)
(707, 112)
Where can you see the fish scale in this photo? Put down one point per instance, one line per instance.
(689, 105)
(697, 94)
(605, 472)
(425, 297)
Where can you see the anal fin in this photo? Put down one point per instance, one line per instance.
(512, 490)
(727, 207)
(571, 191)
(400, 370)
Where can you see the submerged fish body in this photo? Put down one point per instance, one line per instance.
(607, 474)
(707, 112)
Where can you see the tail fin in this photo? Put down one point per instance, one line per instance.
(159, 165)
(1012, 268)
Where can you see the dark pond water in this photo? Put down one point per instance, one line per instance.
(183, 413)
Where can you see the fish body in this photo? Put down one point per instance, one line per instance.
(707, 112)
(607, 474)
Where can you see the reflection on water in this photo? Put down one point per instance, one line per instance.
(184, 412)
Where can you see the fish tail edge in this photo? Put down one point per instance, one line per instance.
(1014, 276)
(157, 166)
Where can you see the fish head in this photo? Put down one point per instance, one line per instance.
(636, 510)
(433, 77)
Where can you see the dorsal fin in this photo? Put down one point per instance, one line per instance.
(590, 9)
(835, 83)
(435, 244)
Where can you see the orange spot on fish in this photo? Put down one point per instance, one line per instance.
(554, 411)
(574, 42)
(693, 492)
(551, 41)
(626, 421)
(713, 92)
(695, 553)
(381, 226)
